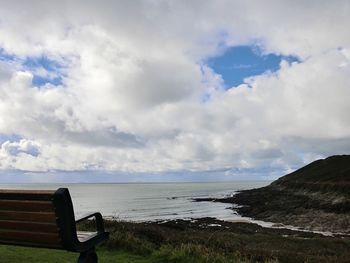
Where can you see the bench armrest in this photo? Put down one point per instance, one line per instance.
(98, 219)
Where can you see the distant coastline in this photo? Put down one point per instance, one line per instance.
(141, 202)
(315, 198)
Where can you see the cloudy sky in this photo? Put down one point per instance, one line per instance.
(171, 90)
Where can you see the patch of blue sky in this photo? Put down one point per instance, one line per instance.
(41, 80)
(9, 137)
(33, 151)
(44, 70)
(240, 62)
(5, 56)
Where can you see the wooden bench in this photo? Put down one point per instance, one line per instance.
(46, 219)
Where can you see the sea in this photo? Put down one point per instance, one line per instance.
(139, 202)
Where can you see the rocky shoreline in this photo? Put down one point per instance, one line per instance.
(315, 197)
(283, 207)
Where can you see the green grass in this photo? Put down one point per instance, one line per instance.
(16, 254)
(186, 242)
(166, 254)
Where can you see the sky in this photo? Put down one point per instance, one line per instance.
(104, 91)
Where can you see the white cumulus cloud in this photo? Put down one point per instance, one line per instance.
(137, 96)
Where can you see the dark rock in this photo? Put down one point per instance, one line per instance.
(315, 197)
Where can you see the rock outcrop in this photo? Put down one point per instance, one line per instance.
(315, 197)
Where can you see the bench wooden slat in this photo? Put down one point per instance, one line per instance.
(29, 226)
(24, 205)
(10, 194)
(29, 237)
(28, 216)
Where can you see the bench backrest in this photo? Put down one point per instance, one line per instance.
(36, 218)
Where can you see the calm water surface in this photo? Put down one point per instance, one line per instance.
(150, 201)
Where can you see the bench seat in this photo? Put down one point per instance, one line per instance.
(38, 218)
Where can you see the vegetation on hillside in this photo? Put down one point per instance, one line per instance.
(208, 240)
(327, 175)
(315, 197)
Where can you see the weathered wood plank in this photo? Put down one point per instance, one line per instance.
(11, 194)
(48, 217)
(25, 205)
(29, 237)
(29, 226)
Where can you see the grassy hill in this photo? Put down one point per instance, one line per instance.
(315, 197)
(327, 175)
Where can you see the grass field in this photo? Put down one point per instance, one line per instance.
(201, 241)
(14, 254)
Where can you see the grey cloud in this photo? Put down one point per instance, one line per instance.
(106, 138)
(267, 154)
(139, 66)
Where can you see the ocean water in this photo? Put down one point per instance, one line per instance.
(150, 201)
